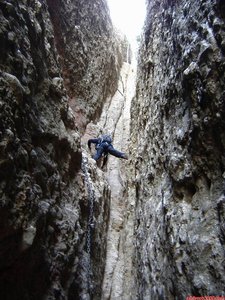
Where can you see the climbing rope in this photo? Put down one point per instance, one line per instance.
(90, 226)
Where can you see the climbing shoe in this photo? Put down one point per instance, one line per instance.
(125, 156)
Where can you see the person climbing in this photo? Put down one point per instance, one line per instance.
(104, 146)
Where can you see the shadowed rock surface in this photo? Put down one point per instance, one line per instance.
(178, 142)
(44, 201)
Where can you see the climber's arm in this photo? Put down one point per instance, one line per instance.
(92, 141)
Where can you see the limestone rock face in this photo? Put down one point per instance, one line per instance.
(90, 53)
(115, 120)
(44, 205)
(117, 283)
(178, 141)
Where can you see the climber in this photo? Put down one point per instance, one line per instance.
(104, 146)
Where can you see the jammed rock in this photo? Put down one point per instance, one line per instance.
(178, 142)
(91, 54)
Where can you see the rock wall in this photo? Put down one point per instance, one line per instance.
(115, 120)
(90, 53)
(177, 141)
(60, 53)
(117, 283)
(44, 203)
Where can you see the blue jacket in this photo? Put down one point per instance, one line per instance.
(98, 142)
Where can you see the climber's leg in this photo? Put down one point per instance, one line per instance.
(116, 153)
(105, 158)
(98, 154)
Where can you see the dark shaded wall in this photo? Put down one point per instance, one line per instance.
(43, 199)
(178, 147)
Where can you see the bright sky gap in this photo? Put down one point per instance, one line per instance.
(128, 16)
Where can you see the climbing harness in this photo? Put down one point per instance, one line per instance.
(90, 226)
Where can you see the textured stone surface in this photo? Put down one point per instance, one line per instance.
(177, 145)
(59, 52)
(44, 201)
(90, 53)
(40, 157)
(116, 120)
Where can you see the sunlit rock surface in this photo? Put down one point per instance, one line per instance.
(117, 282)
(177, 142)
(115, 120)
